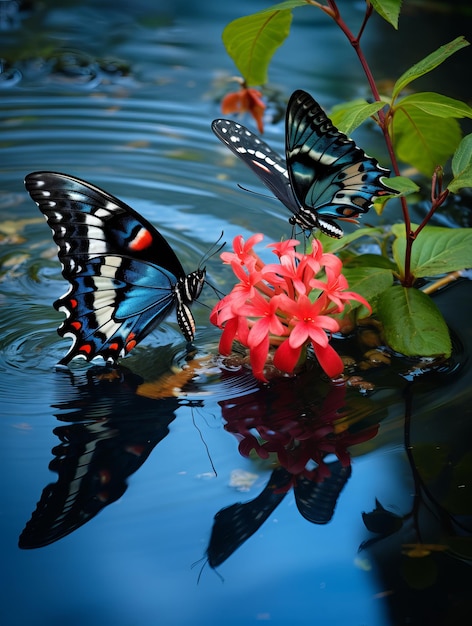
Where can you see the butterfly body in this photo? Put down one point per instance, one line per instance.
(324, 177)
(124, 277)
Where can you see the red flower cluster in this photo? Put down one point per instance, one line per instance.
(285, 305)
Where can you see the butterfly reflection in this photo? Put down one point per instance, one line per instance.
(111, 431)
(306, 428)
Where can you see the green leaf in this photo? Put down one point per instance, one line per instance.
(462, 166)
(251, 41)
(422, 140)
(370, 260)
(369, 282)
(463, 180)
(404, 186)
(412, 323)
(437, 104)
(463, 156)
(347, 117)
(335, 245)
(389, 10)
(437, 250)
(428, 64)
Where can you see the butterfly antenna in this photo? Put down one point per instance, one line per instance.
(218, 293)
(205, 561)
(214, 249)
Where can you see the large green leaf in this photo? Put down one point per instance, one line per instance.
(437, 104)
(388, 9)
(369, 282)
(251, 41)
(412, 323)
(428, 64)
(422, 140)
(462, 166)
(437, 250)
(347, 117)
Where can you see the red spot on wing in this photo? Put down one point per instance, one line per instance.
(130, 345)
(130, 342)
(142, 240)
(73, 303)
(76, 325)
(137, 449)
(87, 348)
(104, 476)
(261, 166)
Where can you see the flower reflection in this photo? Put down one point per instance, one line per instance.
(300, 429)
(302, 425)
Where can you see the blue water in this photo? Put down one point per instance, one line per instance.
(123, 95)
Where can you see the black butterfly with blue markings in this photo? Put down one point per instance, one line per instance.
(324, 177)
(124, 276)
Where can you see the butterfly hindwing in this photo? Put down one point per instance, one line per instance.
(328, 172)
(125, 278)
(325, 175)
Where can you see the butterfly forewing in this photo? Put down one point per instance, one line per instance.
(259, 157)
(125, 278)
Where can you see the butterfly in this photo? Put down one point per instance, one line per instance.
(324, 177)
(124, 277)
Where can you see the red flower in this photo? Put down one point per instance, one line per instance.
(335, 286)
(308, 324)
(246, 100)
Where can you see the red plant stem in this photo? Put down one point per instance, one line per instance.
(383, 121)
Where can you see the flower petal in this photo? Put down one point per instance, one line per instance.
(329, 360)
(286, 356)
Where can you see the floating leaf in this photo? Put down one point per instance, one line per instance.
(428, 64)
(412, 323)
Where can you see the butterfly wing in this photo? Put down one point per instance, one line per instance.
(124, 276)
(259, 157)
(330, 175)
